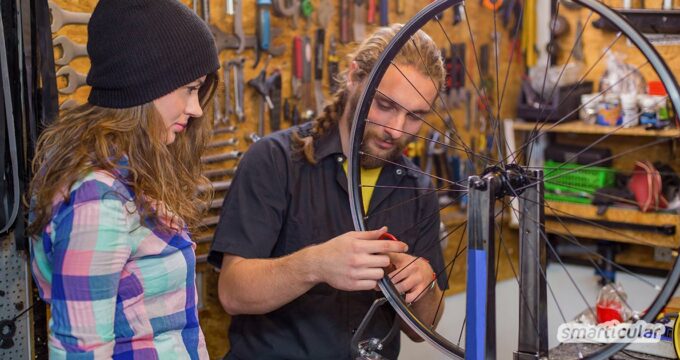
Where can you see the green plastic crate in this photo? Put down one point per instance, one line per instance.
(564, 184)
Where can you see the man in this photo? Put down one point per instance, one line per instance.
(294, 276)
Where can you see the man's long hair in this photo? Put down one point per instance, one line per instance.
(164, 178)
(420, 52)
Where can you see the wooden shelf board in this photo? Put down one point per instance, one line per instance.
(631, 216)
(579, 127)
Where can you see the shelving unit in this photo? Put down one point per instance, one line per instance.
(617, 224)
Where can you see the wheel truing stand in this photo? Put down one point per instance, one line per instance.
(480, 336)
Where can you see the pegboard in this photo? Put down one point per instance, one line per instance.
(14, 298)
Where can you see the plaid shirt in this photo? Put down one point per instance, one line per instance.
(117, 288)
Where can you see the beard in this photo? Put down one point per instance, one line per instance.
(376, 157)
(379, 157)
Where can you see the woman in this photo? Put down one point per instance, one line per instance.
(115, 191)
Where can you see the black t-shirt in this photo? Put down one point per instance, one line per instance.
(279, 203)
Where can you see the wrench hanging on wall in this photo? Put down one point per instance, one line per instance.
(318, 69)
(61, 17)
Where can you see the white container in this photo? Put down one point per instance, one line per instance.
(588, 111)
(629, 110)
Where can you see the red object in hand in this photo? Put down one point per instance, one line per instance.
(388, 236)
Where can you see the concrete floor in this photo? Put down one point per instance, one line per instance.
(570, 302)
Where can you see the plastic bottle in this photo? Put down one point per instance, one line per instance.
(629, 110)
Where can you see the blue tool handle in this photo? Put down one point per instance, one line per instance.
(263, 18)
(384, 10)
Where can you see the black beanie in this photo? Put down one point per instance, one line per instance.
(141, 50)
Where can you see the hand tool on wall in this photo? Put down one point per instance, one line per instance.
(225, 41)
(325, 13)
(318, 69)
(229, 7)
(333, 66)
(296, 78)
(205, 4)
(401, 7)
(228, 108)
(238, 25)
(295, 117)
(384, 13)
(359, 20)
(308, 102)
(282, 10)
(217, 114)
(578, 48)
(259, 84)
(223, 143)
(69, 50)
(458, 14)
(236, 67)
(61, 17)
(219, 172)
(306, 8)
(457, 73)
(224, 130)
(274, 86)
(231, 155)
(74, 79)
(287, 111)
(216, 186)
(263, 28)
(344, 21)
(371, 12)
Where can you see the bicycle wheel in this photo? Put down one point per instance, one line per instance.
(450, 130)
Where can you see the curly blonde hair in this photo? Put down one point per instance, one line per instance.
(89, 138)
(420, 52)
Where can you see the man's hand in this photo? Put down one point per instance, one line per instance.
(354, 260)
(412, 275)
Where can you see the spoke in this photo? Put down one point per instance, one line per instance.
(408, 168)
(441, 300)
(497, 125)
(430, 191)
(430, 104)
(442, 207)
(439, 93)
(469, 152)
(447, 189)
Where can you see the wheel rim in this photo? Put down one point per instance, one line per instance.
(417, 22)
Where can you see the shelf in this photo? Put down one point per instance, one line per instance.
(570, 214)
(579, 127)
(652, 21)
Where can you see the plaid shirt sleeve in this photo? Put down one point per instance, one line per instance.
(90, 247)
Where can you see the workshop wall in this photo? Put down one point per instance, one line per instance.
(213, 319)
